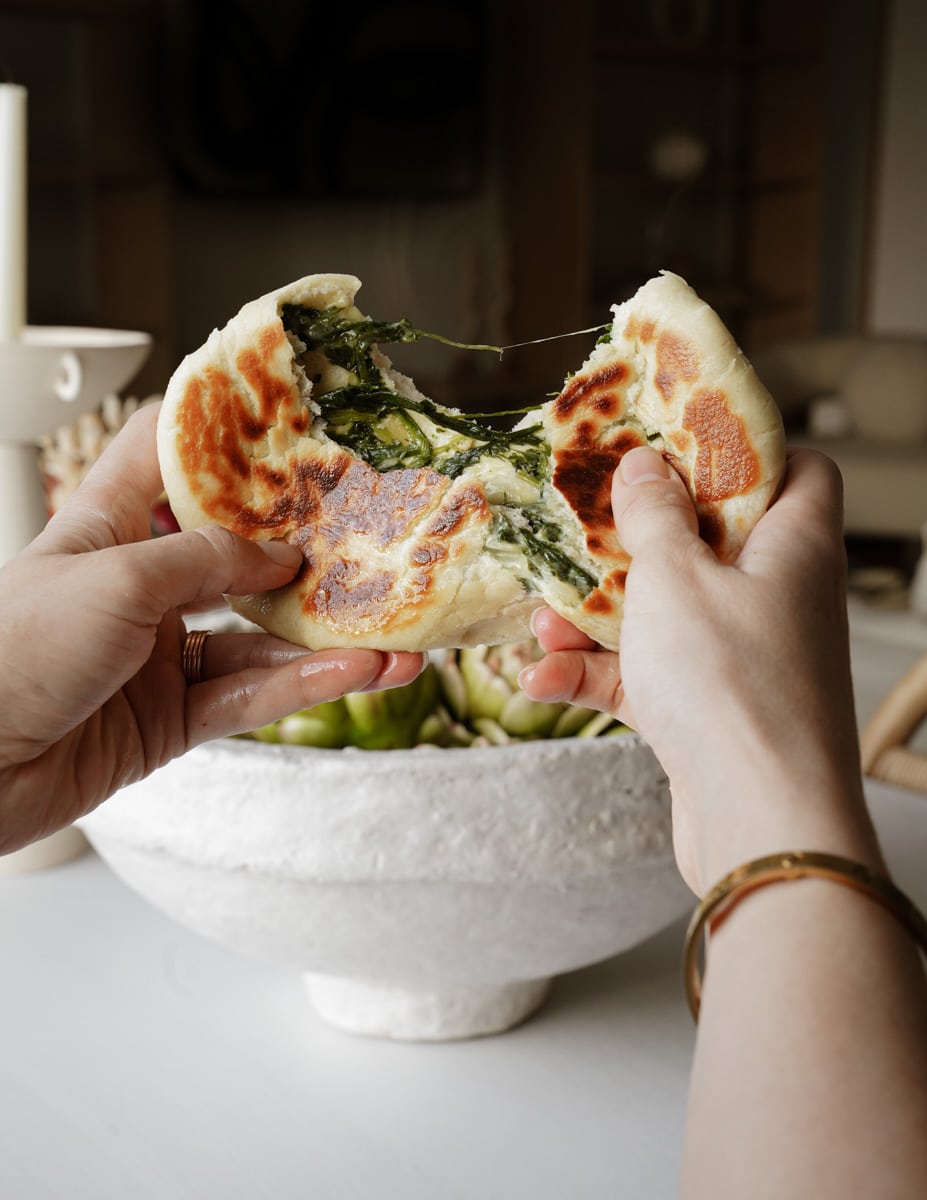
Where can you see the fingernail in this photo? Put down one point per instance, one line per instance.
(525, 675)
(391, 662)
(641, 465)
(284, 553)
(526, 678)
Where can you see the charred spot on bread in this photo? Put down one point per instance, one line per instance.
(422, 526)
(594, 389)
(677, 362)
(725, 462)
(597, 602)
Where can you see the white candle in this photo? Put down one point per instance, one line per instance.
(12, 210)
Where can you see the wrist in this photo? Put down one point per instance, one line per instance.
(733, 827)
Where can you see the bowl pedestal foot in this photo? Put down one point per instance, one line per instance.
(391, 1011)
(51, 851)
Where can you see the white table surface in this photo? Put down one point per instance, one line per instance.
(141, 1062)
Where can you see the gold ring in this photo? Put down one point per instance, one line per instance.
(191, 658)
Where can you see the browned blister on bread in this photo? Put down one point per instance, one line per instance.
(392, 560)
(671, 376)
(463, 548)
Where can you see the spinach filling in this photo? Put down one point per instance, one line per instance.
(347, 342)
(537, 538)
(368, 422)
(373, 418)
(372, 421)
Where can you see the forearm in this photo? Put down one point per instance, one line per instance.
(810, 1073)
(810, 1076)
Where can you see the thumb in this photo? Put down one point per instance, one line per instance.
(200, 565)
(650, 503)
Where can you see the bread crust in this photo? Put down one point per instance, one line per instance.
(671, 377)
(392, 561)
(409, 559)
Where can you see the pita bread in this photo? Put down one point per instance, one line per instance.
(423, 528)
(671, 376)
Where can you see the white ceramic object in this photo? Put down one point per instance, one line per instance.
(52, 851)
(53, 373)
(424, 894)
(50, 375)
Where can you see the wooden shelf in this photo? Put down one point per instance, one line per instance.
(79, 10)
(745, 231)
(712, 182)
(55, 175)
(704, 53)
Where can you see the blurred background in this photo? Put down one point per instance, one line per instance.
(505, 169)
(499, 172)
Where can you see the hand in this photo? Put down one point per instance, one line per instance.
(738, 676)
(92, 694)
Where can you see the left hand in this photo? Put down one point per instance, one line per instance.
(92, 695)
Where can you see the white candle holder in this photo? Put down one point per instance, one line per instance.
(49, 376)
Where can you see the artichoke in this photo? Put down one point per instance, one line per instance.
(389, 720)
(481, 688)
(470, 698)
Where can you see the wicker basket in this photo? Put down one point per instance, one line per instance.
(885, 753)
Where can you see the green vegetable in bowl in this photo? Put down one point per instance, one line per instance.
(470, 698)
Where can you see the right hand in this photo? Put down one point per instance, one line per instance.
(738, 676)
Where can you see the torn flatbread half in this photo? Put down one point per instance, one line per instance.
(422, 527)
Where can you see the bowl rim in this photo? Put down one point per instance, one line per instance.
(527, 747)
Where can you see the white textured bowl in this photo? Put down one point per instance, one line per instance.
(425, 894)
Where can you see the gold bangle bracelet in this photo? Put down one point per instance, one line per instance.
(792, 864)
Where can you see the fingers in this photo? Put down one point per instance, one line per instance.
(653, 513)
(583, 677)
(814, 479)
(192, 568)
(554, 632)
(250, 698)
(231, 653)
(652, 509)
(807, 516)
(234, 653)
